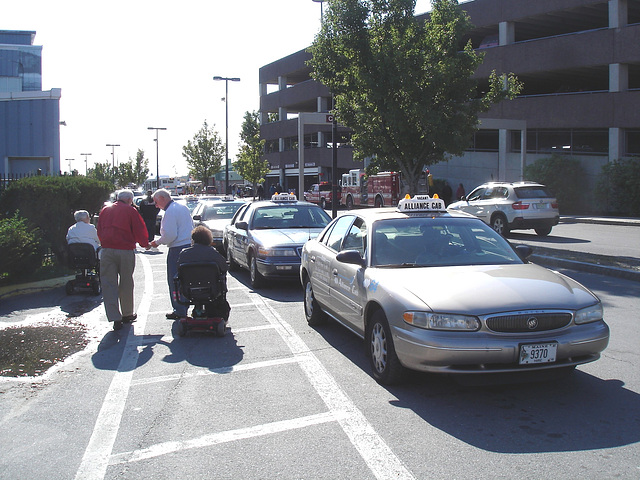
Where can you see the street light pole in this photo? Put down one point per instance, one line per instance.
(113, 154)
(69, 160)
(226, 130)
(86, 170)
(157, 155)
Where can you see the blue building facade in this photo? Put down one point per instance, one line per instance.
(29, 117)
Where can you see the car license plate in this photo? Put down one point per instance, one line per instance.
(538, 353)
(540, 206)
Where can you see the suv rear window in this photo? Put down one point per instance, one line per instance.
(532, 192)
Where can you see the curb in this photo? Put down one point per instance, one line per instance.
(33, 287)
(555, 262)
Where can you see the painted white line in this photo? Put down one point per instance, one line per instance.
(382, 462)
(253, 329)
(96, 456)
(222, 437)
(216, 371)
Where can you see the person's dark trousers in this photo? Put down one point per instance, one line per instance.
(151, 228)
(172, 270)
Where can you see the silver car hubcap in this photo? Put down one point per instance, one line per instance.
(308, 299)
(379, 347)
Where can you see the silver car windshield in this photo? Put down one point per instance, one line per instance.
(289, 216)
(421, 242)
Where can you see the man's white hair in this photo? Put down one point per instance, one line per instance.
(81, 215)
(125, 195)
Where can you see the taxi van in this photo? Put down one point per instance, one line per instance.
(438, 291)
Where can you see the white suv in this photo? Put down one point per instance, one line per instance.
(512, 206)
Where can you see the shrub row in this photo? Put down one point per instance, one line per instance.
(42, 207)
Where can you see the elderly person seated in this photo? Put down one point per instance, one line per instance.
(83, 231)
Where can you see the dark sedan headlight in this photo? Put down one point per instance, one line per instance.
(442, 321)
(589, 314)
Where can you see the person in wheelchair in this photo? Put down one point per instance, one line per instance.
(83, 231)
(201, 251)
(83, 247)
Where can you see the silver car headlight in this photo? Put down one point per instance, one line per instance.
(589, 314)
(276, 252)
(441, 321)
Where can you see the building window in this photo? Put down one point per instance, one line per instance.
(569, 142)
(272, 146)
(632, 143)
(311, 140)
(290, 143)
(485, 141)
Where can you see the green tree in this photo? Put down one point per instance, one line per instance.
(134, 171)
(103, 172)
(140, 168)
(205, 154)
(250, 164)
(402, 85)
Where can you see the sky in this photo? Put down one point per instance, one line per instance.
(124, 66)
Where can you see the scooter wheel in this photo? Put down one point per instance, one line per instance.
(220, 329)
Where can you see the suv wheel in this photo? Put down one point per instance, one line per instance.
(499, 224)
(543, 231)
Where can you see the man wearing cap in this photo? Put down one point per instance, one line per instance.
(149, 212)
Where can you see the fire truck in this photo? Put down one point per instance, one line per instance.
(320, 193)
(382, 189)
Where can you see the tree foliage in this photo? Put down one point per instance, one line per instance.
(48, 203)
(22, 247)
(618, 189)
(134, 171)
(103, 172)
(564, 176)
(204, 154)
(250, 164)
(402, 85)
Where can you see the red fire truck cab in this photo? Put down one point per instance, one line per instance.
(320, 193)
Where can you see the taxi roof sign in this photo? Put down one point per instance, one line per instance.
(284, 197)
(421, 203)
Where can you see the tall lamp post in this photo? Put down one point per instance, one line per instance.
(226, 128)
(69, 160)
(113, 154)
(157, 155)
(86, 169)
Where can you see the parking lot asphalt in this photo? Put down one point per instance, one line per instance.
(621, 267)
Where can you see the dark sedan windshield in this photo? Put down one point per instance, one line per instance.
(419, 242)
(290, 216)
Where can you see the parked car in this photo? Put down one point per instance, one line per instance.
(438, 291)
(512, 206)
(266, 236)
(215, 215)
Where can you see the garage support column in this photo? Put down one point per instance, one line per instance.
(502, 154)
(618, 13)
(507, 33)
(615, 143)
(282, 83)
(618, 77)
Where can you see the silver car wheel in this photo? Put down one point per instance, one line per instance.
(312, 311)
(379, 348)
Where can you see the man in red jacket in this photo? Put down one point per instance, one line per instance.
(120, 226)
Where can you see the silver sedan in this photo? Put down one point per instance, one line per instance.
(442, 292)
